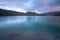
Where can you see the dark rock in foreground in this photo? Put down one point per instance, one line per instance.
(29, 36)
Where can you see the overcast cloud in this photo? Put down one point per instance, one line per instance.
(31, 5)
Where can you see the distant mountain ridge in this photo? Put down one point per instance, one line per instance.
(4, 12)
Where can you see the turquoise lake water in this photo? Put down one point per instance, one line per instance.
(37, 23)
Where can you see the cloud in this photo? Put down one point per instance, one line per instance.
(31, 5)
(46, 5)
(19, 5)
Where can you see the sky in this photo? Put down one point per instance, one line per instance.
(31, 5)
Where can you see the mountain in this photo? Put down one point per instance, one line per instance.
(54, 13)
(4, 12)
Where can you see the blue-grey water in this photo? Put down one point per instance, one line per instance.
(44, 24)
(30, 23)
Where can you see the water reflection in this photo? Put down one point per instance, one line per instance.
(40, 19)
(30, 23)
